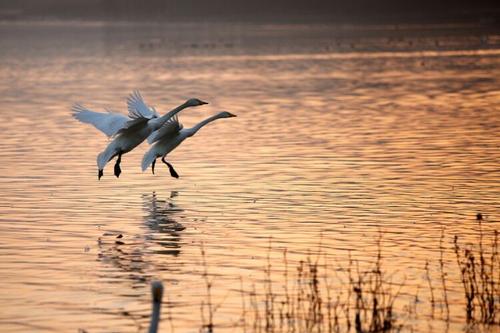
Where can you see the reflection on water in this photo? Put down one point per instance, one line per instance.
(129, 257)
(129, 253)
(331, 139)
(124, 254)
(161, 219)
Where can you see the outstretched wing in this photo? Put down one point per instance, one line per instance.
(107, 122)
(137, 108)
(168, 130)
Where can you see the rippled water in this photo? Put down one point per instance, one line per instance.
(336, 139)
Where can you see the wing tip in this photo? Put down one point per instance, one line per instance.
(134, 96)
(77, 110)
(77, 107)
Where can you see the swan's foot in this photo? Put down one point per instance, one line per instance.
(153, 167)
(118, 170)
(173, 173)
(100, 173)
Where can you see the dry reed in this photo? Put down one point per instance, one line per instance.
(311, 304)
(317, 297)
(480, 276)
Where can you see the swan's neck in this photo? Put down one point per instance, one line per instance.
(193, 130)
(161, 120)
(155, 318)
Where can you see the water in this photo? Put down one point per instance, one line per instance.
(341, 134)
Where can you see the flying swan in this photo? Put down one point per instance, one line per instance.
(169, 136)
(127, 132)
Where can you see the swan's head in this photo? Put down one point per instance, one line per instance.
(195, 102)
(225, 114)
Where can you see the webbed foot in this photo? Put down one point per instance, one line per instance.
(118, 170)
(173, 173)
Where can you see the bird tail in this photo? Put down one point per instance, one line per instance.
(104, 157)
(148, 158)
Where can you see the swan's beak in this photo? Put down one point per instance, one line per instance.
(203, 102)
(232, 115)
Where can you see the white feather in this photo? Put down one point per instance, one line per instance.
(107, 122)
(104, 157)
(148, 158)
(168, 130)
(137, 108)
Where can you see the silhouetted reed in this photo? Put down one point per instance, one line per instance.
(443, 276)
(431, 289)
(318, 297)
(308, 302)
(374, 299)
(207, 308)
(480, 276)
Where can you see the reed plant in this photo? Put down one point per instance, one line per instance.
(480, 276)
(307, 300)
(316, 296)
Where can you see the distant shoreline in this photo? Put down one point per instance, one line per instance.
(338, 29)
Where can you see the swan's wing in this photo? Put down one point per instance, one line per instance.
(139, 113)
(107, 122)
(137, 108)
(168, 130)
(132, 125)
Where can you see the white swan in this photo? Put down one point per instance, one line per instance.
(128, 132)
(157, 291)
(169, 136)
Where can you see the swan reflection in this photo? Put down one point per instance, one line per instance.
(161, 219)
(130, 254)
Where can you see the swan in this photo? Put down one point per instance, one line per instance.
(169, 136)
(127, 132)
(157, 291)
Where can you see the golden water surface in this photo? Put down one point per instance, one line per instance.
(336, 140)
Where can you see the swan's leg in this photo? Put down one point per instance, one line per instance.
(173, 173)
(99, 174)
(118, 170)
(153, 166)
